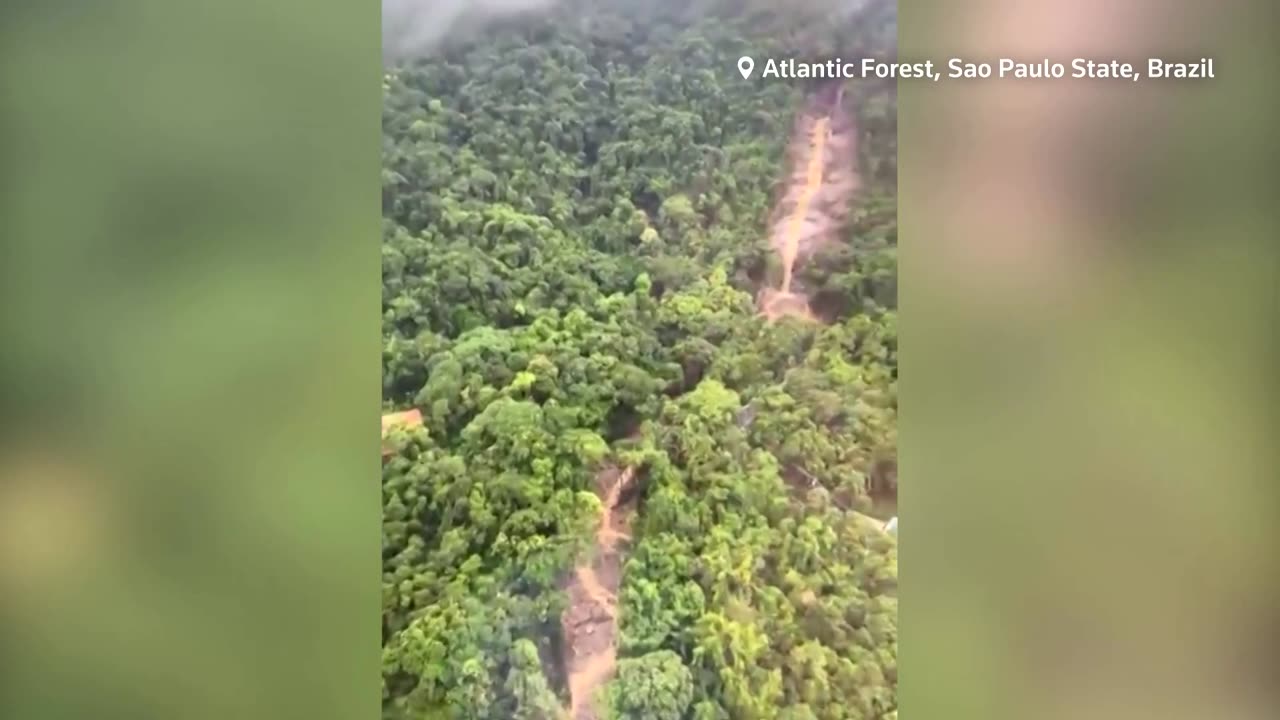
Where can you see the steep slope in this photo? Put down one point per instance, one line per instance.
(590, 623)
(816, 203)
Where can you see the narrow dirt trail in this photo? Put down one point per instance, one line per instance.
(816, 202)
(813, 181)
(590, 622)
(810, 213)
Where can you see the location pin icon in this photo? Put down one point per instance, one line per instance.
(745, 66)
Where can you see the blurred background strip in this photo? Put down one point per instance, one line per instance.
(188, 371)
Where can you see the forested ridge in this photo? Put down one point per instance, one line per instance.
(574, 236)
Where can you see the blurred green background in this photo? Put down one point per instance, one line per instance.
(189, 375)
(1088, 344)
(189, 519)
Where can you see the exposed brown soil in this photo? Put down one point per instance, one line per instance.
(820, 190)
(590, 624)
(810, 213)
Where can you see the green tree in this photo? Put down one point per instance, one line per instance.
(534, 700)
(656, 686)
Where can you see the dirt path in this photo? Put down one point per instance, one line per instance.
(817, 201)
(590, 623)
(810, 213)
(813, 181)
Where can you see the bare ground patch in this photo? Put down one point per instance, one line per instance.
(813, 208)
(590, 625)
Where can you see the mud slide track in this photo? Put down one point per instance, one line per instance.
(813, 208)
(590, 622)
(813, 181)
(811, 212)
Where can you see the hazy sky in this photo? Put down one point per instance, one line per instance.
(416, 27)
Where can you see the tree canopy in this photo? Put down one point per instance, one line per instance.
(574, 232)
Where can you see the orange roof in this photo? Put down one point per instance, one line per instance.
(408, 418)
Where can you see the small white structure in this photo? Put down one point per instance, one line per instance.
(891, 527)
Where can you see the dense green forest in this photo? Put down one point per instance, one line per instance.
(574, 234)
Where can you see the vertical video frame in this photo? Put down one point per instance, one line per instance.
(639, 362)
